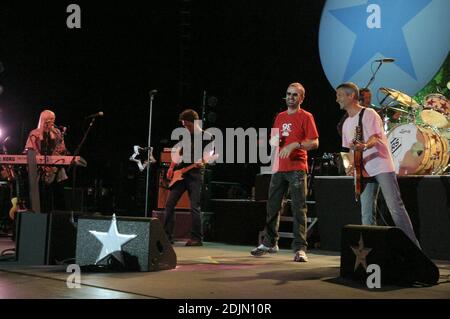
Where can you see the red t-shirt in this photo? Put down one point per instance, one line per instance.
(295, 127)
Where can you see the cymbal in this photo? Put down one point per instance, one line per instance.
(400, 97)
(396, 109)
(391, 108)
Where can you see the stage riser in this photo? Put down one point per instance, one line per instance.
(426, 199)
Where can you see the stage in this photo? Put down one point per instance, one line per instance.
(214, 271)
(426, 199)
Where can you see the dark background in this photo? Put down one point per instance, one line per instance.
(244, 53)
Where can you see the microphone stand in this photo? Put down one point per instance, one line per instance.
(147, 187)
(373, 75)
(204, 108)
(380, 63)
(72, 165)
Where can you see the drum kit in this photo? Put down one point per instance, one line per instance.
(418, 134)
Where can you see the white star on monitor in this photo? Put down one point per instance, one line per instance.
(360, 253)
(112, 241)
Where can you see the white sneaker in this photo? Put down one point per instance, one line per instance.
(300, 256)
(262, 250)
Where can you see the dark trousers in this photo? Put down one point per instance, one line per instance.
(279, 184)
(193, 184)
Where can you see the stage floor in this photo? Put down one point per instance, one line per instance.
(214, 271)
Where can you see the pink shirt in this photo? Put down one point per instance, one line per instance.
(377, 159)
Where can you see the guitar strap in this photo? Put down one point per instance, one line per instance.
(360, 124)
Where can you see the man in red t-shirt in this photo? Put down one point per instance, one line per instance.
(293, 134)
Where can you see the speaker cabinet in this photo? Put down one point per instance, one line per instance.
(183, 222)
(163, 193)
(400, 260)
(45, 239)
(150, 250)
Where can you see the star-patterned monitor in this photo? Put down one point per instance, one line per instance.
(124, 244)
(400, 260)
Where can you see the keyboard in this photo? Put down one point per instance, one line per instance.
(51, 160)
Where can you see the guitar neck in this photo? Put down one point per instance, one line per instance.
(187, 168)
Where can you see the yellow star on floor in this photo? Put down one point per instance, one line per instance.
(360, 253)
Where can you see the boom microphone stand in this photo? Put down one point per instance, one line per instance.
(74, 166)
(152, 96)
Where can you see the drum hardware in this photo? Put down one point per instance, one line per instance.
(434, 157)
(400, 97)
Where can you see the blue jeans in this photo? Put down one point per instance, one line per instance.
(391, 192)
(279, 184)
(193, 184)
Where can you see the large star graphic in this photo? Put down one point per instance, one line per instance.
(388, 40)
(112, 241)
(361, 254)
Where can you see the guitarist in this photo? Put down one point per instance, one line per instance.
(377, 160)
(192, 180)
(47, 139)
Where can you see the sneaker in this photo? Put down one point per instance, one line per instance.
(262, 250)
(194, 242)
(300, 256)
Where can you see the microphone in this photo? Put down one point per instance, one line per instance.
(63, 129)
(386, 60)
(153, 92)
(94, 115)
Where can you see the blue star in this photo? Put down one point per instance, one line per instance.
(389, 40)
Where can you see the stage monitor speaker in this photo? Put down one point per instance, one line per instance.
(45, 239)
(31, 240)
(400, 260)
(149, 251)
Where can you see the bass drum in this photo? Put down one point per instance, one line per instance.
(418, 150)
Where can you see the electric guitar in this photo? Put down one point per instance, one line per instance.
(18, 204)
(178, 174)
(357, 164)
